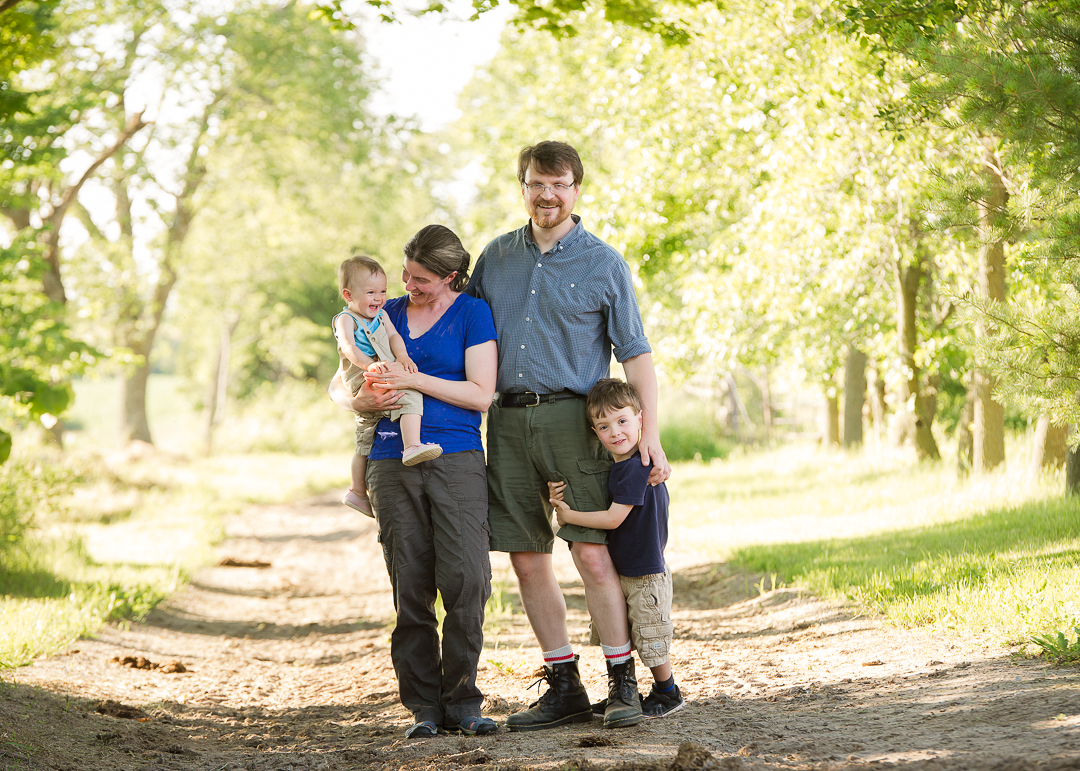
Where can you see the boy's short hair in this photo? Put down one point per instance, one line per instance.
(609, 395)
(356, 267)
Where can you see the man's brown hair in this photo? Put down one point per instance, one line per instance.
(550, 157)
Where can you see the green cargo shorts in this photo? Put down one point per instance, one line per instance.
(527, 447)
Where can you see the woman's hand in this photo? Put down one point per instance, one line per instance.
(365, 399)
(555, 490)
(392, 375)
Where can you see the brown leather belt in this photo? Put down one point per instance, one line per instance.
(530, 399)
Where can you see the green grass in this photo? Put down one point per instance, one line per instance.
(996, 554)
(131, 531)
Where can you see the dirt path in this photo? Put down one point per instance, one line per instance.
(288, 668)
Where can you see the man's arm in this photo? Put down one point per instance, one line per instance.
(641, 374)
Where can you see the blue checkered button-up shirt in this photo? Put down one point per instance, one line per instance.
(559, 315)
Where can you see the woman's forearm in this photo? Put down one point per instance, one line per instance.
(473, 393)
(461, 393)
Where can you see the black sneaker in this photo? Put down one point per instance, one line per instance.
(661, 703)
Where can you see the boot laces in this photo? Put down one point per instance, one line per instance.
(548, 677)
(620, 689)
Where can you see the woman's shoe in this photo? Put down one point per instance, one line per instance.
(473, 726)
(422, 730)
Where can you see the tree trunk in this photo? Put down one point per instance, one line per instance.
(766, 404)
(965, 440)
(916, 417)
(854, 396)
(832, 419)
(990, 414)
(133, 423)
(925, 411)
(1072, 470)
(218, 382)
(1050, 445)
(877, 402)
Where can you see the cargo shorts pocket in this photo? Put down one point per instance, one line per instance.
(653, 643)
(590, 487)
(589, 466)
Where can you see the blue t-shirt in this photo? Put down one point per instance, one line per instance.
(439, 352)
(637, 545)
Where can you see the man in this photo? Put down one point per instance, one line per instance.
(563, 301)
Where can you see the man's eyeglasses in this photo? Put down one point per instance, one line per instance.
(558, 188)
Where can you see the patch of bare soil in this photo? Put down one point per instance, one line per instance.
(278, 658)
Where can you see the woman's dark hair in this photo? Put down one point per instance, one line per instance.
(438, 249)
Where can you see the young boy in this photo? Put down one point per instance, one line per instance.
(367, 340)
(637, 521)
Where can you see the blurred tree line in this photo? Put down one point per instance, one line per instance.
(877, 183)
(879, 194)
(175, 165)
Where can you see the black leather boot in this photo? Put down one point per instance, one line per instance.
(565, 701)
(623, 703)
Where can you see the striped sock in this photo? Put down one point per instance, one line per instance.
(666, 685)
(616, 656)
(563, 655)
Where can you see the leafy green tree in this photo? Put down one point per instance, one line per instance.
(247, 324)
(264, 80)
(744, 175)
(37, 353)
(1012, 74)
(561, 18)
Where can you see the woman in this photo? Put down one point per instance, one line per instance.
(433, 516)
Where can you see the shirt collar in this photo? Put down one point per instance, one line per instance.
(575, 233)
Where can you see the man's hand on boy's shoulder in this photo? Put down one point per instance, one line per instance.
(652, 452)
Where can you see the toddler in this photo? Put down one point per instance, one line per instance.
(367, 340)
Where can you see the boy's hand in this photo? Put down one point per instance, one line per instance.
(561, 510)
(555, 490)
(408, 364)
(377, 366)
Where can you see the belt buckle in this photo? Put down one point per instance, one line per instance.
(534, 404)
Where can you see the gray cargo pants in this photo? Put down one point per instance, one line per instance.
(434, 533)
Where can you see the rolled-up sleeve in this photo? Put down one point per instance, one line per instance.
(625, 328)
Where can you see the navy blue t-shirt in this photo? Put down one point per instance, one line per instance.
(439, 352)
(637, 545)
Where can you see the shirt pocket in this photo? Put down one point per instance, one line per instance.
(577, 297)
